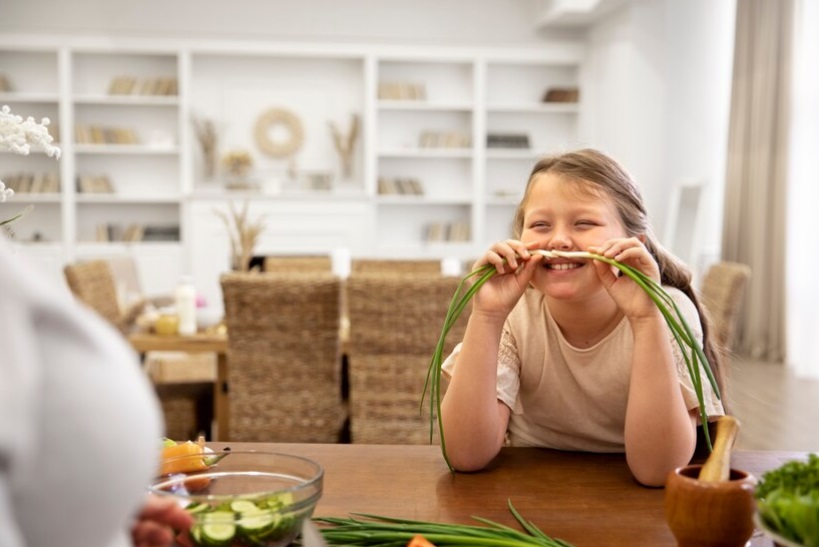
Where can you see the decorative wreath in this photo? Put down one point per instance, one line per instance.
(270, 119)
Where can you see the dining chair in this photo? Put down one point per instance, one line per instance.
(297, 263)
(722, 291)
(184, 404)
(92, 283)
(376, 265)
(395, 323)
(284, 363)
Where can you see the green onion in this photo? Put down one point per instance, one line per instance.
(375, 530)
(684, 336)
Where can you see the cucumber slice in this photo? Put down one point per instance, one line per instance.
(243, 506)
(194, 508)
(218, 528)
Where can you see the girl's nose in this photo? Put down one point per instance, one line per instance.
(559, 240)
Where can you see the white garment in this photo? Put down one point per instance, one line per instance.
(572, 398)
(79, 422)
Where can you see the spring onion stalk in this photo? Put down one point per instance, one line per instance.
(691, 351)
(375, 530)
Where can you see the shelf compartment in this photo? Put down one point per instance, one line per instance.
(527, 83)
(433, 82)
(94, 72)
(546, 132)
(438, 178)
(42, 224)
(97, 222)
(29, 73)
(152, 126)
(137, 177)
(402, 226)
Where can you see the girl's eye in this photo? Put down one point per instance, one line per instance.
(586, 223)
(539, 224)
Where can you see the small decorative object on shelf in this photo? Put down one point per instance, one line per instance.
(318, 181)
(345, 144)
(5, 84)
(561, 95)
(208, 139)
(238, 164)
(243, 234)
(272, 119)
(517, 141)
(402, 91)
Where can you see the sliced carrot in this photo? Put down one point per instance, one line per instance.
(182, 458)
(419, 541)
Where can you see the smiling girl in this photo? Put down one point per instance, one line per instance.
(566, 354)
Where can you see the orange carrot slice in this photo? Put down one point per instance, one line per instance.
(419, 541)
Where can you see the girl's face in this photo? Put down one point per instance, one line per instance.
(568, 215)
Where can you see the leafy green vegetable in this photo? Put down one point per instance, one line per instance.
(788, 500)
(375, 530)
(689, 347)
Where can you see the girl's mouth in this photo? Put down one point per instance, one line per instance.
(562, 265)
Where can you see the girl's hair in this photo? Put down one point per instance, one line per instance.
(607, 175)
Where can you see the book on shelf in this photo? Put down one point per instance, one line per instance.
(155, 232)
(561, 95)
(511, 140)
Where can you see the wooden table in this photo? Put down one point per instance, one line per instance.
(585, 499)
(199, 343)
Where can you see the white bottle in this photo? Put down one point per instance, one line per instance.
(186, 306)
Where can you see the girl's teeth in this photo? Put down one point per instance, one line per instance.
(563, 266)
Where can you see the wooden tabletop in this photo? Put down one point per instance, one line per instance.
(585, 499)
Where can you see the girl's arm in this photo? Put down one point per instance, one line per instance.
(474, 420)
(660, 433)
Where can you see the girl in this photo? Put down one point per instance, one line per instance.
(566, 354)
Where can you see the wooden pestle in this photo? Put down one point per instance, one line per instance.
(718, 465)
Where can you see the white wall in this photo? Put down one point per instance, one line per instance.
(488, 22)
(660, 72)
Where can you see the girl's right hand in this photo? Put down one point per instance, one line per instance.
(515, 266)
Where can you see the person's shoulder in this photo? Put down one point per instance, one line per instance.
(684, 303)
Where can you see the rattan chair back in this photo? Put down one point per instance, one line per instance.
(317, 263)
(284, 364)
(395, 322)
(723, 288)
(92, 283)
(360, 266)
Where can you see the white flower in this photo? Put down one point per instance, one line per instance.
(17, 135)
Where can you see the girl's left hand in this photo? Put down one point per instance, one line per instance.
(632, 300)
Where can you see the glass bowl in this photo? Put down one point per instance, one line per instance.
(242, 498)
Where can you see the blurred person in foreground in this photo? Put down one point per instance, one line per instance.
(79, 425)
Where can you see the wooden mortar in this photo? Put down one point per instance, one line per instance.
(712, 505)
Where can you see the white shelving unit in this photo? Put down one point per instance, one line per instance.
(425, 180)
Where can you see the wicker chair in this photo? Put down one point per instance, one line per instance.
(186, 406)
(283, 352)
(387, 266)
(290, 263)
(722, 290)
(92, 283)
(395, 322)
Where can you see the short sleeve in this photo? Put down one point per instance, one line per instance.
(713, 406)
(508, 378)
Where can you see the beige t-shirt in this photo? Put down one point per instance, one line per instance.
(571, 398)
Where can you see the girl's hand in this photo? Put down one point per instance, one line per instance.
(515, 266)
(157, 521)
(632, 300)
